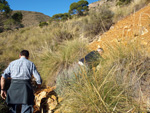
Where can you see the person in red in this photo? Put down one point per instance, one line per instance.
(20, 91)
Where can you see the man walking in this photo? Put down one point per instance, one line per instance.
(20, 91)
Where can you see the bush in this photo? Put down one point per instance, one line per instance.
(42, 24)
(98, 22)
(59, 35)
(123, 2)
(67, 77)
(17, 17)
(11, 24)
(8, 24)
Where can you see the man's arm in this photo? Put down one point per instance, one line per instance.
(37, 76)
(3, 91)
(3, 78)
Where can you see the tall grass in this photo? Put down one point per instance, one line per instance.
(55, 49)
(114, 87)
(52, 47)
(53, 62)
(50, 40)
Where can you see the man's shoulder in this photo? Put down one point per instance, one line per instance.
(14, 61)
(19, 60)
(28, 61)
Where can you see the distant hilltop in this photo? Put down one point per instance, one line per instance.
(31, 18)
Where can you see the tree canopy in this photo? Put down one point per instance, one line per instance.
(78, 7)
(9, 21)
(61, 16)
(4, 7)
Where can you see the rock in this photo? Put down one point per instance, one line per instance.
(144, 31)
(46, 100)
(39, 97)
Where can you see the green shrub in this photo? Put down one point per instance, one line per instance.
(42, 24)
(123, 2)
(17, 17)
(98, 22)
(8, 24)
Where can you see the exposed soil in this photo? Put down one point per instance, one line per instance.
(133, 27)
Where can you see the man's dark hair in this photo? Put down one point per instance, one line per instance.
(24, 53)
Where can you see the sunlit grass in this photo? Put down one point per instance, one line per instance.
(113, 87)
(55, 50)
(53, 62)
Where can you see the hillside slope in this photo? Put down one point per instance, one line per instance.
(135, 26)
(41, 43)
(128, 29)
(31, 18)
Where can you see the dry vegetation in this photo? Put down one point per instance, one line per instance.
(56, 48)
(113, 87)
(31, 18)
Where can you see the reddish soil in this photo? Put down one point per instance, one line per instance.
(134, 26)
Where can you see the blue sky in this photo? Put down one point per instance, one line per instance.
(47, 7)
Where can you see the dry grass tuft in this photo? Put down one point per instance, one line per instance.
(113, 87)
